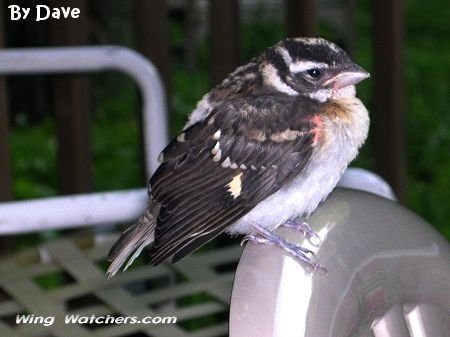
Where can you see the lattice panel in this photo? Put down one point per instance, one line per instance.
(67, 276)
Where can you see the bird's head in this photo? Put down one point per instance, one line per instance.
(312, 67)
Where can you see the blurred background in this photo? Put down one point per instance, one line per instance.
(79, 133)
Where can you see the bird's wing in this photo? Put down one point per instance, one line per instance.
(217, 170)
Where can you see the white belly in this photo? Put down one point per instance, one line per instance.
(300, 197)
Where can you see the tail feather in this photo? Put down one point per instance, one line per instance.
(132, 241)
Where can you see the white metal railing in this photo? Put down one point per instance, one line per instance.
(95, 208)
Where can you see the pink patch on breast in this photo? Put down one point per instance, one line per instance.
(316, 119)
(317, 130)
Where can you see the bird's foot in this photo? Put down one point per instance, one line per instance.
(303, 227)
(266, 237)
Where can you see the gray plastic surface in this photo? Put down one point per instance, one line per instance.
(388, 275)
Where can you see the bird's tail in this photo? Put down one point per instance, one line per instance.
(132, 241)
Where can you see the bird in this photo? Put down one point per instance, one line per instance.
(260, 150)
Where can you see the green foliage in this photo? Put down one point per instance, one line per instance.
(188, 88)
(428, 116)
(259, 33)
(116, 147)
(34, 159)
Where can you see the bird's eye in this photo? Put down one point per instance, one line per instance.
(314, 73)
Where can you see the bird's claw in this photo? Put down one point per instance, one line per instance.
(303, 254)
(256, 239)
(302, 226)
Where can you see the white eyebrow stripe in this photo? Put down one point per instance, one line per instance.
(285, 55)
(271, 78)
(301, 65)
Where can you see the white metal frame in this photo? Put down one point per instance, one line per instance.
(95, 208)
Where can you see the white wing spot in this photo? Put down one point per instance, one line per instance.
(216, 149)
(226, 162)
(181, 137)
(235, 186)
(218, 156)
(216, 135)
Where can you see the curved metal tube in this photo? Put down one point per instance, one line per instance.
(95, 208)
(384, 264)
(94, 59)
(72, 211)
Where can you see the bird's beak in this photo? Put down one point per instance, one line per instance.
(349, 76)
